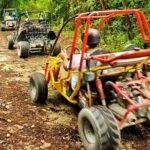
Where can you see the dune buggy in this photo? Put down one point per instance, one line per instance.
(9, 19)
(117, 93)
(33, 34)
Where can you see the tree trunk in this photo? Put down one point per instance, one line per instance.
(128, 21)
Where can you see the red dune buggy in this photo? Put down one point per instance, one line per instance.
(115, 94)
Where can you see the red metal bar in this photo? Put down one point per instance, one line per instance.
(143, 93)
(124, 55)
(134, 82)
(119, 91)
(103, 22)
(75, 37)
(129, 11)
(145, 23)
(100, 89)
(45, 68)
(85, 41)
(48, 77)
(138, 14)
(139, 21)
(74, 42)
(132, 108)
(47, 72)
(142, 23)
(95, 17)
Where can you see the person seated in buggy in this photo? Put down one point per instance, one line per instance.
(93, 48)
(24, 26)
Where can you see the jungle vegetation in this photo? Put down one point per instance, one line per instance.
(63, 9)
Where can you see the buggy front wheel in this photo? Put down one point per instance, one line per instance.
(38, 88)
(113, 127)
(94, 130)
(23, 49)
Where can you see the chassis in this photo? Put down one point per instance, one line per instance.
(9, 19)
(33, 35)
(116, 99)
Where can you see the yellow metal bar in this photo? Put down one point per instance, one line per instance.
(77, 86)
(61, 84)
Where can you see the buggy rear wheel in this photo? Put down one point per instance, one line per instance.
(38, 88)
(2, 28)
(23, 49)
(94, 130)
(10, 42)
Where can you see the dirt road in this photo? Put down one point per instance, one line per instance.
(26, 126)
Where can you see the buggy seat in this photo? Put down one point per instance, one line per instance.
(128, 61)
(121, 58)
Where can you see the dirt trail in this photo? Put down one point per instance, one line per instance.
(26, 126)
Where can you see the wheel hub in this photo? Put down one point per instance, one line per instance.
(89, 132)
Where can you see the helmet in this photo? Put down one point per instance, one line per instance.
(93, 37)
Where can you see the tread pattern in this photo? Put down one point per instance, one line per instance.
(10, 43)
(113, 128)
(23, 49)
(107, 128)
(40, 83)
(102, 128)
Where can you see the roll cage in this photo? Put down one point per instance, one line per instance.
(108, 60)
(38, 14)
(104, 17)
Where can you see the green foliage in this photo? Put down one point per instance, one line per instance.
(123, 31)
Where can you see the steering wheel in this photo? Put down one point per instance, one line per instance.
(67, 50)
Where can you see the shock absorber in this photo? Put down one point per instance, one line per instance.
(100, 91)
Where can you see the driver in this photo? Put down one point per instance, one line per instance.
(24, 25)
(93, 48)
